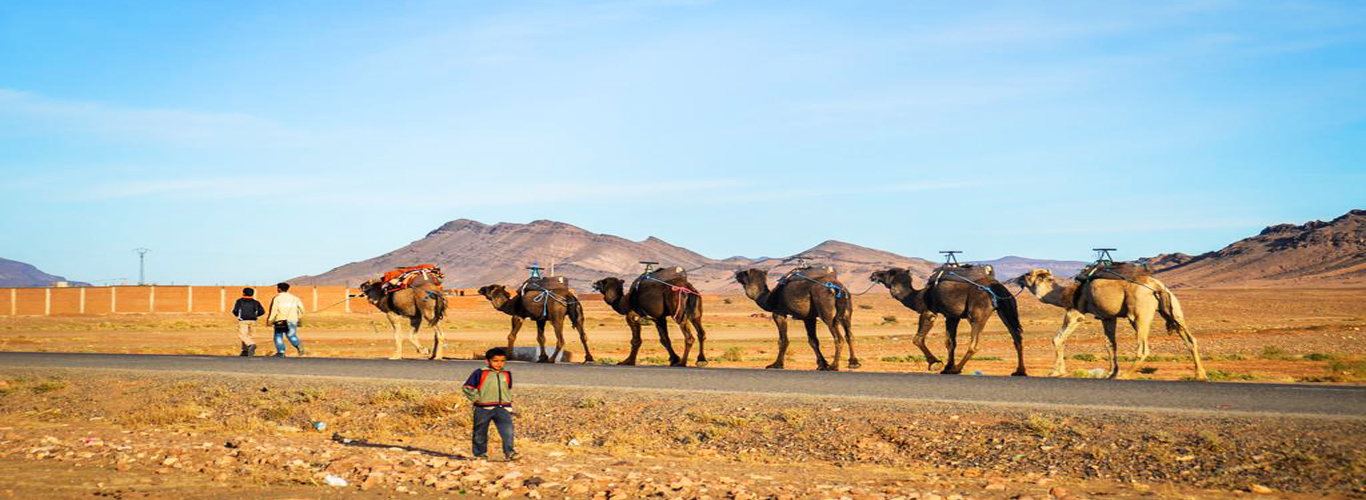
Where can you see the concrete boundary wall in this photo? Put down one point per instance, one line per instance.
(97, 300)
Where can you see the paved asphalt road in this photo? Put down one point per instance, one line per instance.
(1235, 398)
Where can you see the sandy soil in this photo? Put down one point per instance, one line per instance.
(1307, 335)
(119, 434)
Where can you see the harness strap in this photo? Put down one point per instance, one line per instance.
(678, 302)
(995, 300)
(839, 291)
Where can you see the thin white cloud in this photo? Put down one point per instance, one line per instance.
(34, 113)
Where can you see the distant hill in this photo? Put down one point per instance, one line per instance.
(473, 254)
(18, 274)
(1011, 266)
(1315, 253)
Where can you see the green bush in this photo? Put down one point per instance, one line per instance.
(1083, 357)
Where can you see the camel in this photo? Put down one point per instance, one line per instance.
(1136, 299)
(659, 300)
(949, 295)
(416, 303)
(540, 304)
(899, 282)
(807, 300)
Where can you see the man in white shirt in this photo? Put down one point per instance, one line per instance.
(285, 312)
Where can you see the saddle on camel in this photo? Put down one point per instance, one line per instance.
(411, 276)
(553, 287)
(821, 275)
(676, 278)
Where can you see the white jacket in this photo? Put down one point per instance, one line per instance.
(287, 307)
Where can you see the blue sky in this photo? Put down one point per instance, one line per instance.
(253, 141)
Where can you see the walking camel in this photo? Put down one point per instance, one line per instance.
(660, 296)
(959, 292)
(420, 301)
(1135, 299)
(899, 282)
(808, 299)
(541, 300)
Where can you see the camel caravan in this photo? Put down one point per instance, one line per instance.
(1106, 290)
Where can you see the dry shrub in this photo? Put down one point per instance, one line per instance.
(733, 354)
(279, 413)
(1040, 426)
(156, 415)
(48, 386)
(436, 406)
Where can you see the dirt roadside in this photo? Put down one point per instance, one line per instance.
(117, 434)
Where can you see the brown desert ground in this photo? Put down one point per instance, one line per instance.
(128, 434)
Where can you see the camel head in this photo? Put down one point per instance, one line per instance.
(609, 287)
(372, 290)
(495, 293)
(886, 277)
(1034, 278)
(754, 281)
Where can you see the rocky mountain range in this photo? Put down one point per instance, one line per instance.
(1315, 253)
(18, 274)
(473, 254)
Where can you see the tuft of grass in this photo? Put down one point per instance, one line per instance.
(1083, 357)
(733, 354)
(865, 307)
(588, 403)
(606, 361)
(48, 386)
(1148, 370)
(439, 405)
(1318, 356)
(1225, 376)
(278, 413)
(1040, 426)
(888, 319)
(1356, 368)
(155, 415)
(401, 394)
(987, 358)
(307, 395)
(654, 360)
(902, 359)
(1272, 352)
(726, 301)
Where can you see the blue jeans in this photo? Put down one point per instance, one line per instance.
(292, 330)
(502, 419)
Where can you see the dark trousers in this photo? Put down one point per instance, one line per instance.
(502, 419)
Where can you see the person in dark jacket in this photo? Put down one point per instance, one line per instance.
(490, 391)
(246, 310)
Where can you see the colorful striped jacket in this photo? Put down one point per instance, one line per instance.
(488, 388)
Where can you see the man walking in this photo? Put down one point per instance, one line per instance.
(246, 310)
(490, 389)
(285, 312)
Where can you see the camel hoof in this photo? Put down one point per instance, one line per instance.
(700, 363)
(774, 366)
(543, 359)
(936, 365)
(587, 360)
(628, 362)
(854, 364)
(1020, 373)
(951, 371)
(677, 362)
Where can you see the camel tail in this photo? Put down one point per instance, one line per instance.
(440, 312)
(1007, 309)
(575, 313)
(1170, 309)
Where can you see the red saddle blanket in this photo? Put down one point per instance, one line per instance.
(404, 277)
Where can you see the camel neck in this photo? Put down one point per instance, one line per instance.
(621, 305)
(1059, 294)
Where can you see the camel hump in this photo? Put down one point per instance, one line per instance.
(552, 283)
(1114, 271)
(818, 273)
(675, 276)
(964, 273)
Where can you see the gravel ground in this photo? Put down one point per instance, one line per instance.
(155, 435)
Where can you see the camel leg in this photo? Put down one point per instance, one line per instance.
(926, 323)
(438, 339)
(558, 324)
(577, 320)
(1111, 324)
(976, 322)
(416, 323)
(849, 340)
(512, 335)
(951, 344)
(662, 326)
(834, 327)
(781, 322)
(632, 322)
(398, 338)
(1070, 320)
(1141, 323)
(811, 338)
(1195, 351)
(540, 341)
(701, 341)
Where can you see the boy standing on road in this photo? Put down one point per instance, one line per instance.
(490, 389)
(246, 310)
(285, 312)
